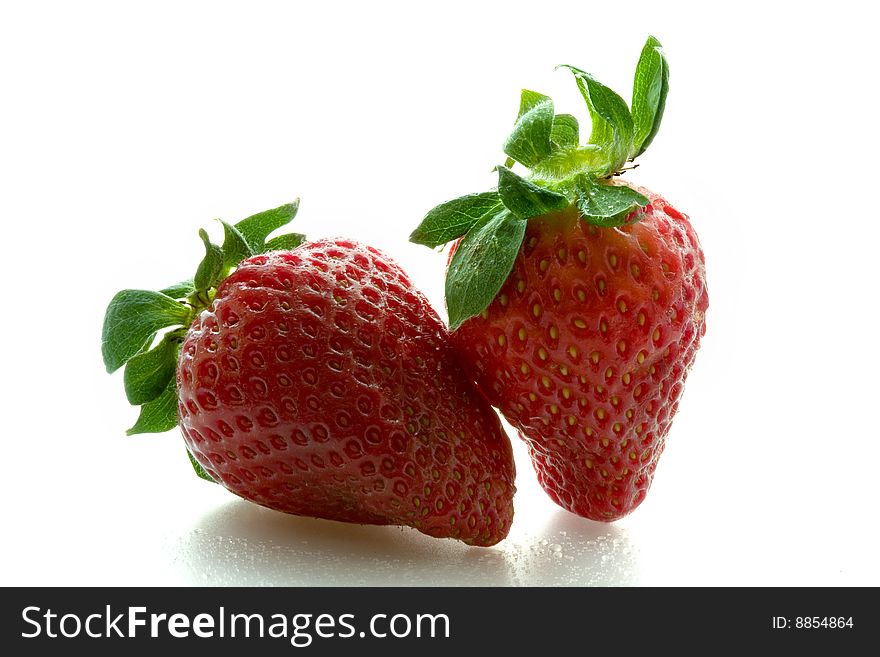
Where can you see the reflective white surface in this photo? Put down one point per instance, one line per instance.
(124, 131)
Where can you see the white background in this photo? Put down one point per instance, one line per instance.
(127, 126)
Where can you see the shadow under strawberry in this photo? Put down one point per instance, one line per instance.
(240, 544)
(569, 551)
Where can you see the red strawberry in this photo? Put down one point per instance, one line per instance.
(319, 382)
(583, 325)
(586, 349)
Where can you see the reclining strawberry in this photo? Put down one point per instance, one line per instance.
(312, 378)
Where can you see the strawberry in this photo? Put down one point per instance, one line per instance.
(586, 349)
(577, 301)
(317, 381)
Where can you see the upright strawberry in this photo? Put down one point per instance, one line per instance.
(314, 379)
(577, 301)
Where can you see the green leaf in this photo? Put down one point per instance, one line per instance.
(565, 132)
(612, 122)
(607, 205)
(481, 264)
(148, 373)
(451, 220)
(235, 246)
(529, 142)
(650, 87)
(525, 199)
(211, 267)
(258, 227)
(158, 415)
(132, 319)
(200, 471)
(566, 162)
(181, 290)
(285, 242)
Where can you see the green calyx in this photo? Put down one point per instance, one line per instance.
(562, 172)
(143, 330)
